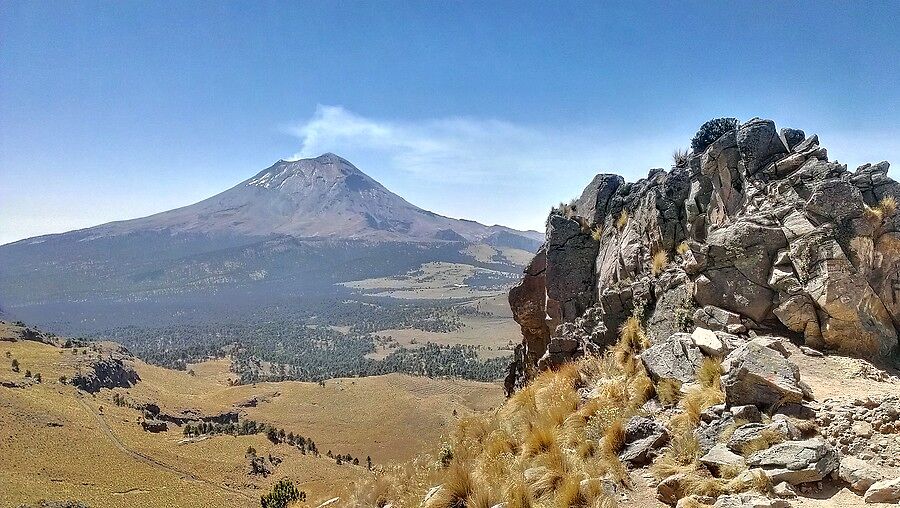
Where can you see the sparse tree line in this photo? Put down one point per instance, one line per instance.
(276, 435)
(16, 367)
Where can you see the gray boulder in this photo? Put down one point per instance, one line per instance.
(859, 474)
(719, 458)
(797, 462)
(676, 358)
(760, 375)
(643, 437)
(884, 491)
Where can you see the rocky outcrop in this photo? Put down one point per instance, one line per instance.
(111, 372)
(761, 232)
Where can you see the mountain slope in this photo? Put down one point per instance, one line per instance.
(294, 230)
(324, 197)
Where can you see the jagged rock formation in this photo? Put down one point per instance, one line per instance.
(758, 233)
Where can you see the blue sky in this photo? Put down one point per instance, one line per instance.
(492, 111)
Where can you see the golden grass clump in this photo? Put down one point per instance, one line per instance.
(710, 373)
(680, 456)
(548, 438)
(632, 338)
(659, 262)
(597, 233)
(614, 437)
(887, 206)
(874, 214)
(622, 220)
(683, 248)
(668, 391)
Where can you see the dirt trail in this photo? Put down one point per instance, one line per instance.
(186, 475)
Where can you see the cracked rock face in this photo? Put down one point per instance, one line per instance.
(761, 233)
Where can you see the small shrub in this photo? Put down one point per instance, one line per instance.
(283, 493)
(659, 262)
(622, 220)
(15, 365)
(681, 157)
(445, 456)
(711, 131)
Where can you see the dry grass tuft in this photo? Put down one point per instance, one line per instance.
(517, 494)
(659, 262)
(681, 456)
(874, 214)
(887, 206)
(807, 428)
(568, 493)
(710, 373)
(541, 439)
(683, 248)
(622, 220)
(681, 157)
(597, 233)
(668, 391)
(614, 437)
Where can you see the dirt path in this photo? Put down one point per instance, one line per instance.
(186, 475)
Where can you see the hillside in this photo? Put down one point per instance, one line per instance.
(64, 443)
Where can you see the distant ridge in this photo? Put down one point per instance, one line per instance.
(321, 197)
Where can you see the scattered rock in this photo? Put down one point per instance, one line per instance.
(669, 490)
(747, 413)
(643, 437)
(784, 490)
(708, 342)
(719, 458)
(749, 501)
(884, 491)
(808, 351)
(859, 474)
(797, 462)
